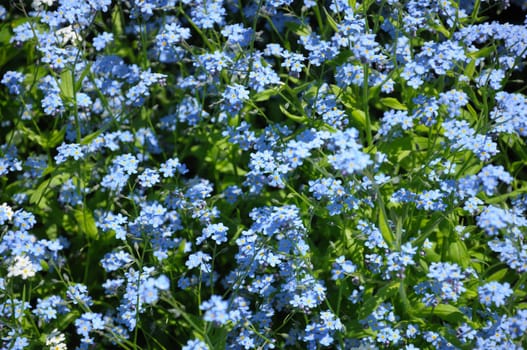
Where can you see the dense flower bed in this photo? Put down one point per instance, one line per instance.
(220, 174)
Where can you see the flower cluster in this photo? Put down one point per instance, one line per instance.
(263, 174)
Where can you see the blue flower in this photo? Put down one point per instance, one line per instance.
(115, 260)
(216, 310)
(218, 233)
(115, 180)
(208, 13)
(88, 322)
(195, 344)
(149, 178)
(494, 293)
(319, 50)
(22, 33)
(236, 35)
(65, 151)
(15, 341)
(322, 332)
(149, 291)
(234, 96)
(491, 77)
(162, 282)
(109, 221)
(13, 81)
(70, 194)
(101, 40)
(78, 294)
(342, 268)
(445, 283)
(200, 260)
(24, 220)
(348, 158)
(292, 61)
(48, 308)
(171, 166)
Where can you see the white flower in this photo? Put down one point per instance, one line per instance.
(22, 267)
(6, 213)
(68, 34)
(37, 4)
(56, 340)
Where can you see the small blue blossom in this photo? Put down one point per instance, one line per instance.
(235, 95)
(208, 13)
(47, 309)
(236, 34)
(195, 344)
(200, 260)
(149, 177)
(13, 81)
(87, 323)
(78, 294)
(494, 293)
(101, 40)
(342, 268)
(217, 232)
(216, 310)
(65, 151)
(116, 260)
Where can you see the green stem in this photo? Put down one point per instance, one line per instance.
(365, 104)
(404, 298)
(339, 300)
(475, 11)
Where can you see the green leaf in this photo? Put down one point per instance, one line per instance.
(298, 28)
(296, 118)
(86, 140)
(264, 95)
(70, 317)
(330, 20)
(498, 275)
(472, 112)
(66, 84)
(446, 312)
(421, 142)
(474, 98)
(86, 223)
(393, 103)
(5, 34)
(7, 53)
(458, 253)
(431, 255)
(116, 21)
(218, 337)
(37, 195)
(480, 257)
(519, 294)
(470, 68)
(33, 136)
(44, 265)
(502, 198)
(371, 303)
(85, 72)
(484, 52)
(441, 29)
(384, 226)
(518, 145)
(45, 140)
(55, 138)
(401, 155)
(359, 117)
(449, 313)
